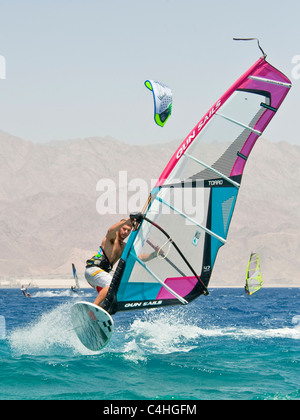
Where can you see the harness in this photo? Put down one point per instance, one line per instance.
(99, 260)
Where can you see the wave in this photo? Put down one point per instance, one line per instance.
(60, 293)
(154, 332)
(2, 328)
(236, 332)
(161, 334)
(296, 319)
(52, 333)
(169, 332)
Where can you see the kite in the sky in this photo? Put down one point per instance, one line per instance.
(162, 96)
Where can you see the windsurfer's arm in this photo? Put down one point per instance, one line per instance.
(152, 255)
(148, 257)
(112, 231)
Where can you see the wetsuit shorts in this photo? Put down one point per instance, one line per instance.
(97, 278)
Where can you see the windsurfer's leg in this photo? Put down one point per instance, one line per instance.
(100, 280)
(101, 296)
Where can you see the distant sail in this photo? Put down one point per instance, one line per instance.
(75, 277)
(163, 101)
(189, 211)
(253, 276)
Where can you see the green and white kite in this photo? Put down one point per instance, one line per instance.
(163, 98)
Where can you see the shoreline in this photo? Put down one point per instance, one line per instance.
(61, 282)
(83, 285)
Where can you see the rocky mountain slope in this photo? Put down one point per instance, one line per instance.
(49, 195)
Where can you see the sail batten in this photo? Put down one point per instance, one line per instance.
(193, 201)
(239, 123)
(274, 82)
(192, 220)
(236, 184)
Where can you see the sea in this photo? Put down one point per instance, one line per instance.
(226, 346)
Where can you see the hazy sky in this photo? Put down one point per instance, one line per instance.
(76, 68)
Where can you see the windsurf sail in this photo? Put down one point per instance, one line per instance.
(253, 276)
(77, 286)
(163, 100)
(2, 327)
(169, 257)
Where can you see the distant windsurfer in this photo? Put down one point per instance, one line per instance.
(74, 289)
(98, 272)
(25, 292)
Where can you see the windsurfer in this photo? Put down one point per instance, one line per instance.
(98, 268)
(25, 292)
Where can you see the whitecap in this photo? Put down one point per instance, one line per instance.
(51, 333)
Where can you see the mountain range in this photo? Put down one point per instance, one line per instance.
(49, 205)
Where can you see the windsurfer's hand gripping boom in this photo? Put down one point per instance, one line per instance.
(136, 218)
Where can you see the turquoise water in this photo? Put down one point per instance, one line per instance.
(224, 346)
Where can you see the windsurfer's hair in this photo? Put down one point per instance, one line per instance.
(128, 222)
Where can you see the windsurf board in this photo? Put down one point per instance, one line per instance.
(92, 325)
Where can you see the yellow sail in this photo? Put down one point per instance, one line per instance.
(253, 276)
